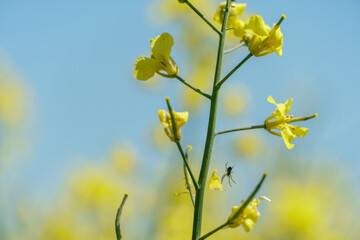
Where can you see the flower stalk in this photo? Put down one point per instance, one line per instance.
(240, 129)
(202, 17)
(199, 200)
(192, 87)
(177, 141)
(239, 211)
(118, 216)
(186, 175)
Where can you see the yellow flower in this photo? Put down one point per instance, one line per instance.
(180, 119)
(239, 30)
(215, 183)
(287, 132)
(248, 216)
(236, 10)
(260, 38)
(160, 60)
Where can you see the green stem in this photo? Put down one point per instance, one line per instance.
(118, 215)
(248, 200)
(187, 165)
(199, 200)
(187, 183)
(192, 87)
(203, 17)
(234, 70)
(177, 141)
(234, 48)
(298, 119)
(240, 129)
(213, 231)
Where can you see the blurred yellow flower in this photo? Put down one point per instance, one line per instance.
(260, 38)
(11, 99)
(215, 183)
(180, 119)
(248, 217)
(287, 132)
(236, 10)
(249, 145)
(123, 157)
(235, 99)
(160, 60)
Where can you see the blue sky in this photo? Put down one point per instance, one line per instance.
(77, 58)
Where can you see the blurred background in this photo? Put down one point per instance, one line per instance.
(77, 130)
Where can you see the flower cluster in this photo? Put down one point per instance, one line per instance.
(180, 118)
(160, 60)
(254, 33)
(248, 215)
(279, 120)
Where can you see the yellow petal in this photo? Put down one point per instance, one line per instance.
(181, 118)
(236, 10)
(164, 116)
(255, 25)
(238, 7)
(215, 182)
(248, 224)
(298, 131)
(145, 68)
(161, 46)
(287, 136)
(239, 28)
(288, 105)
(271, 100)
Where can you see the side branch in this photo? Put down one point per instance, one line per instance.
(192, 87)
(203, 17)
(213, 231)
(118, 215)
(177, 141)
(196, 185)
(240, 129)
(248, 200)
(234, 70)
(239, 211)
(187, 183)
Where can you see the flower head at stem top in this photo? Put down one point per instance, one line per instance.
(160, 62)
(215, 182)
(259, 37)
(236, 10)
(279, 120)
(180, 118)
(248, 216)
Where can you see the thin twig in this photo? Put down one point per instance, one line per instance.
(188, 185)
(192, 87)
(234, 48)
(203, 17)
(118, 215)
(249, 199)
(177, 141)
(239, 211)
(240, 129)
(234, 70)
(213, 231)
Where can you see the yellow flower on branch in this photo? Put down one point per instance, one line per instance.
(180, 119)
(215, 183)
(248, 216)
(278, 120)
(160, 62)
(259, 37)
(236, 10)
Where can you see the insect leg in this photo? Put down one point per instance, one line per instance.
(232, 179)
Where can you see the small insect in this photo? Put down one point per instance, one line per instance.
(228, 171)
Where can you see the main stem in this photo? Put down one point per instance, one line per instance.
(199, 200)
